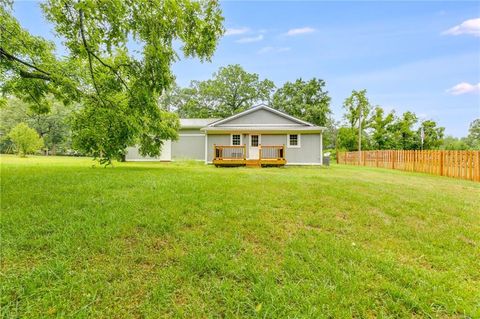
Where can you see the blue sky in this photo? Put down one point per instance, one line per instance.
(418, 56)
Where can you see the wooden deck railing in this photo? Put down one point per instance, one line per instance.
(239, 152)
(271, 152)
(457, 164)
(230, 152)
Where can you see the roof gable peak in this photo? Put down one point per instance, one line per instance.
(258, 107)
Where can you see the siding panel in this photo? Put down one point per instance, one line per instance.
(189, 147)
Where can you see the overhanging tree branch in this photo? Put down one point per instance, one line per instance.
(109, 67)
(90, 64)
(32, 75)
(46, 75)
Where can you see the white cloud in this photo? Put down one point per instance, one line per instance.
(250, 39)
(463, 88)
(236, 31)
(299, 31)
(265, 50)
(273, 50)
(471, 26)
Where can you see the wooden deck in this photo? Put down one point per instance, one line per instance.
(269, 155)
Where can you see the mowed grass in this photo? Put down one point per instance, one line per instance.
(152, 240)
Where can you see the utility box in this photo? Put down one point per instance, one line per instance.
(326, 159)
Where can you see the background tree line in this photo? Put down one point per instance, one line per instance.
(53, 127)
(101, 96)
(232, 90)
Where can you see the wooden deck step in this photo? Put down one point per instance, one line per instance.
(253, 163)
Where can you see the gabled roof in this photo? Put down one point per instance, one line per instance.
(257, 108)
(261, 119)
(196, 123)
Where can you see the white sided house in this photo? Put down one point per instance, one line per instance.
(258, 136)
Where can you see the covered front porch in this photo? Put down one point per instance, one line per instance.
(268, 155)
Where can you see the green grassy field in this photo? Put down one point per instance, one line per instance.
(150, 240)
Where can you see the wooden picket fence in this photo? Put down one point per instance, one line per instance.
(457, 164)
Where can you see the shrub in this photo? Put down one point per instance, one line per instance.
(25, 139)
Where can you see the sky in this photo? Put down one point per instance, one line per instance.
(410, 55)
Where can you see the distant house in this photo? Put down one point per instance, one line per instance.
(258, 136)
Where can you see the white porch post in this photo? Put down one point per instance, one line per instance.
(321, 148)
(206, 148)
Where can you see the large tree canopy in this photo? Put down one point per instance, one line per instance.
(118, 64)
(230, 91)
(307, 100)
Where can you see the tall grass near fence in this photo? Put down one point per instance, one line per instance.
(457, 164)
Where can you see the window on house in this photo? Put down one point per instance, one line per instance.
(236, 139)
(294, 140)
(254, 140)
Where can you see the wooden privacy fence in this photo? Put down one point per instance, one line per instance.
(458, 164)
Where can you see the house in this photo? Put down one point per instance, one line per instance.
(258, 136)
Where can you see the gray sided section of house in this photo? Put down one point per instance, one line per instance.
(273, 128)
(189, 145)
(307, 154)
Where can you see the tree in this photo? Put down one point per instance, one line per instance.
(405, 136)
(330, 135)
(357, 107)
(193, 102)
(53, 127)
(347, 139)
(433, 135)
(118, 89)
(307, 100)
(453, 143)
(25, 139)
(473, 138)
(231, 90)
(382, 129)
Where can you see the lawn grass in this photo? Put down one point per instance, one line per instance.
(150, 240)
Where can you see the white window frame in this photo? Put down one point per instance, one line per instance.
(299, 141)
(231, 139)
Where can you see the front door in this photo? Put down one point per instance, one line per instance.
(254, 142)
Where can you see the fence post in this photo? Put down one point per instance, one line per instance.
(477, 166)
(393, 159)
(442, 155)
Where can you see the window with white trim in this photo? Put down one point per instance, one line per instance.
(254, 140)
(293, 140)
(236, 139)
